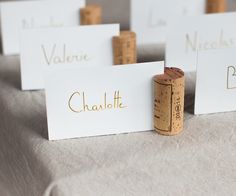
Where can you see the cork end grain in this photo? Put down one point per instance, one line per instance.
(171, 73)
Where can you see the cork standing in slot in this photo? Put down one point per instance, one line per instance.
(124, 48)
(169, 102)
(91, 15)
(216, 6)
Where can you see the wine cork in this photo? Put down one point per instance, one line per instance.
(91, 15)
(216, 6)
(124, 48)
(169, 102)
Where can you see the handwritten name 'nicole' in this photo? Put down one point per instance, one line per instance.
(60, 55)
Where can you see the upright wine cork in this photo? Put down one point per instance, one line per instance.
(91, 15)
(124, 48)
(169, 102)
(216, 6)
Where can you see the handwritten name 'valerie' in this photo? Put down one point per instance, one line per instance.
(60, 55)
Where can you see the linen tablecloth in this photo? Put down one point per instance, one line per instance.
(200, 161)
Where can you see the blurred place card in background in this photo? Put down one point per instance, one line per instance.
(35, 14)
(82, 45)
(201, 33)
(216, 81)
(231, 5)
(149, 19)
(83, 102)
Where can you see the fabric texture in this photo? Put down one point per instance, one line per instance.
(199, 161)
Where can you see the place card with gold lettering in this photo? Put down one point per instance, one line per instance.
(199, 33)
(216, 81)
(85, 102)
(149, 19)
(83, 45)
(17, 15)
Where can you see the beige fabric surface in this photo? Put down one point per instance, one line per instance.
(200, 161)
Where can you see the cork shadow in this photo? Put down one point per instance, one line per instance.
(10, 71)
(150, 52)
(190, 82)
(189, 103)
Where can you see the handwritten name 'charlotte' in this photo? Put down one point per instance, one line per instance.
(78, 103)
(59, 55)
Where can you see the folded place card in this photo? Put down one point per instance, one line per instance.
(216, 81)
(149, 19)
(95, 101)
(35, 14)
(191, 34)
(82, 45)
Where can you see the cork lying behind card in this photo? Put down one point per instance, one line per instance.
(17, 15)
(82, 45)
(201, 33)
(216, 81)
(85, 102)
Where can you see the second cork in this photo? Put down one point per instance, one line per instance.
(124, 48)
(91, 15)
(216, 6)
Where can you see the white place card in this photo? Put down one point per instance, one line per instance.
(231, 5)
(149, 19)
(216, 81)
(191, 34)
(35, 14)
(95, 101)
(82, 45)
